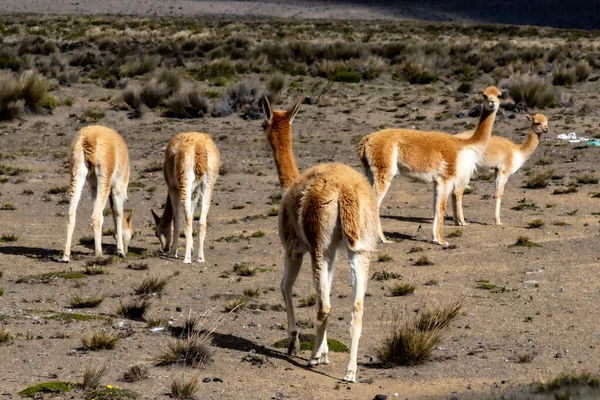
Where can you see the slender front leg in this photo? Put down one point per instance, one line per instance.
(441, 192)
(204, 206)
(77, 182)
(97, 216)
(176, 203)
(457, 205)
(501, 179)
(381, 184)
(188, 218)
(293, 262)
(116, 205)
(323, 269)
(359, 268)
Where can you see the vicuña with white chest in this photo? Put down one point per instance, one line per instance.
(437, 157)
(99, 155)
(505, 158)
(191, 168)
(327, 207)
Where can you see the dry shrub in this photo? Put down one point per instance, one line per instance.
(582, 70)
(135, 373)
(140, 66)
(99, 340)
(275, 86)
(193, 351)
(10, 91)
(532, 91)
(182, 388)
(187, 104)
(563, 76)
(407, 345)
(241, 97)
(438, 318)
(92, 377)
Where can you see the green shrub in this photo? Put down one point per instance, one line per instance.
(343, 74)
(532, 91)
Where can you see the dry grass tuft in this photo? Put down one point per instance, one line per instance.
(92, 377)
(402, 289)
(136, 373)
(532, 91)
(438, 318)
(185, 388)
(151, 285)
(193, 351)
(79, 301)
(99, 340)
(136, 309)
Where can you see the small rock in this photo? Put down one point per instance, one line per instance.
(178, 309)
(167, 309)
(217, 380)
(368, 380)
(512, 116)
(561, 290)
(380, 397)
(459, 114)
(307, 100)
(206, 380)
(558, 355)
(467, 326)
(395, 394)
(475, 111)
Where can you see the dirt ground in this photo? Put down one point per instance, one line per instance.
(547, 310)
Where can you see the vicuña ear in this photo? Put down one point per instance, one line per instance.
(485, 96)
(294, 110)
(529, 117)
(130, 215)
(266, 106)
(156, 217)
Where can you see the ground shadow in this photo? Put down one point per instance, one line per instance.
(232, 342)
(36, 253)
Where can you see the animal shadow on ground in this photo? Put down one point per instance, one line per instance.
(36, 253)
(232, 342)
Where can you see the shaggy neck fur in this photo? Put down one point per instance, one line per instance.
(530, 144)
(280, 138)
(484, 128)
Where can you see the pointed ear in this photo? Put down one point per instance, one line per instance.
(266, 106)
(130, 215)
(291, 113)
(529, 117)
(485, 96)
(156, 217)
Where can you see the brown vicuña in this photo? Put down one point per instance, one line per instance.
(99, 155)
(190, 169)
(437, 157)
(327, 207)
(505, 158)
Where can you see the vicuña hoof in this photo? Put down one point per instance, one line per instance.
(350, 376)
(319, 360)
(65, 259)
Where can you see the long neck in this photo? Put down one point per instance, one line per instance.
(529, 145)
(286, 165)
(484, 128)
(167, 216)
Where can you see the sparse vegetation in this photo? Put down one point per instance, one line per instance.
(532, 91)
(136, 373)
(402, 289)
(136, 309)
(92, 377)
(523, 241)
(80, 301)
(536, 223)
(385, 275)
(308, 301)
(423, 261)
(150, 285)
(193, 351)
(99, 340)
(185, 388)
(384, 257)
(6, 335)
(538, 180)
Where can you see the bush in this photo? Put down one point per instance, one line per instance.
(414, 73)
(154, 92)
(239, 97)
(582, 70)
(275, 86)
(343, 74)
(141, 66)
(187, 104)
(532, 91)
(34, 91)
(10, 104)
(563, 76)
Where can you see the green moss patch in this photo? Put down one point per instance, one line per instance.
(47, 387)
(307, 342)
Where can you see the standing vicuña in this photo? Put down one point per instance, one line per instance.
(437, 157)
(99, 155)
(191, 168)
(505, 157)
(327, 207)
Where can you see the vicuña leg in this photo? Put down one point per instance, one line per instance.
(382, 180)
(501, 179)
(176, 204)
(207, 190)
(324, 268)
(78, 177)
(457, 206)
(441, 190)
(116, 205)
(293, 262)
(188, 219)
(359, 268)
(103, 191)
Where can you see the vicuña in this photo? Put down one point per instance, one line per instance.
(505, 158)
(190, 169)
(446, 160)
(327, 207)
(99, 155)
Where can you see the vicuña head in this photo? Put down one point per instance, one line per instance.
(164, 229)
(539, 123)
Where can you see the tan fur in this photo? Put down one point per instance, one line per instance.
(99, 155)
(505, 158)
(434, 157)
(327, 206)
(190, 169)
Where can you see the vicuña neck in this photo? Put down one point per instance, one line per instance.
(286, 165)
(167, 216)
(529, 145)
(484, 128)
